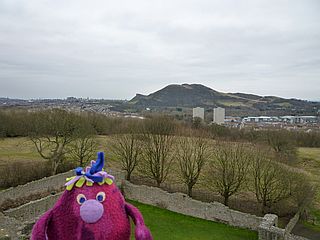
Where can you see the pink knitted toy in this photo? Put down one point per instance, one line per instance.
(92, 210)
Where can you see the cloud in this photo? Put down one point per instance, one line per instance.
(114, 49)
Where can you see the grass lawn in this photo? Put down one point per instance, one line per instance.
(165, 224)
(21, 163)
(309, 161)
(13, 149)
(22, 149)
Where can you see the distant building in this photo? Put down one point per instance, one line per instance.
(282, 119)
(261, 119)
(299, 119)
(219, 115)
(198, 112)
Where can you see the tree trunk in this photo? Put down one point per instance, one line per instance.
(54, 167)
(189, 190)
(226, 199)
(128, 177)
(264, 207)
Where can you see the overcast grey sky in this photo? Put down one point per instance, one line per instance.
(115, 49)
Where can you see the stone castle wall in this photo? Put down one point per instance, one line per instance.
(268, 229)
(44, 185)
(181, 203)
(32, 210)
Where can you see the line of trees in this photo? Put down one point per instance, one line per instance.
(226, 167)
(16, 122)
(58, 134)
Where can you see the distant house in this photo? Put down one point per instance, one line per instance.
(219, 115)
(299, 119)
(198, 112)
(263, 119)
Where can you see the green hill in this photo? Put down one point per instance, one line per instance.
(197, 95)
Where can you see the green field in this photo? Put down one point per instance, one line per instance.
(165, 224)
(309, 161)
(22, 150)
(13, 149)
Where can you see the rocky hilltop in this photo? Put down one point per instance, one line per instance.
(194, 95)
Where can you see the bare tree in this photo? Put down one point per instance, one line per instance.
(229, 168)
(51, 132)
(192, 154)
(282, 143)
(84, 147)
(157, 148)
(272, 180)
(127, 148)
(303, 191)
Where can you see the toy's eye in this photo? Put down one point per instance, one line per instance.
(81, 198)
(101, 196)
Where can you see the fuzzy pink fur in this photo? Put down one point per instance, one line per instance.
(63, 221)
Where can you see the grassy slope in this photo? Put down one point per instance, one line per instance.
(309, 160)
(17, 149)
(165, 224)
(18, 157)
(22, 150)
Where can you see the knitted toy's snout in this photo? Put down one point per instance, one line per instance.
(91, 211)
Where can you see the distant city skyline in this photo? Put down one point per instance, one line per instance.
(113, 50)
